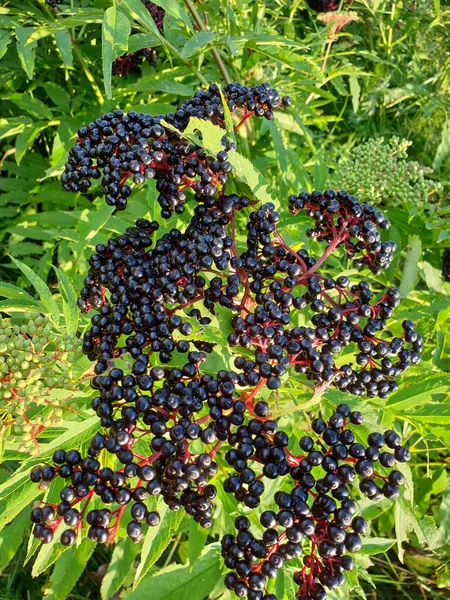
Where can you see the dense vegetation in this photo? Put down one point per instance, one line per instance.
(216, 379)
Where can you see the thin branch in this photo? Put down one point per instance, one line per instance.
(200, 26)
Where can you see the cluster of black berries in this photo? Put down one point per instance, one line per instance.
(446, 264)
(165, 411)
(130, 63)
(280, 282)
(134, 147)
(54, 3)
(316, 519)
(323, 5)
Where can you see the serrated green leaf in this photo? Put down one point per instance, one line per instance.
(183, 582)
(64, 43)
(20, 305)
(245, 171)
(58, 95)
(115, 33)
(211, 135)
(90, 223)
(42, 289)
(68, 569)
(8, 290)
(5, 40)
(69, 301)
(26, 51)
(197, 537)
(197, 42)
(25, 139)
(119, 567)
(20, 496)
(156, 541)
(376, 545)
(229, 123)
(11, 538)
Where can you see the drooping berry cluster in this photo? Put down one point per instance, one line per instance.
(316, 518)
(166, 410)
(136, 146)
(34, 361)
(130, 63)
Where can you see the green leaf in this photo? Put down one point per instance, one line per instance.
(42, 289)
(376, 545)
(20, 496)
(119, 567)
(80, 16)
(11, 538)
(177, 10)
(26, 52)
(48, 554)
(443, 150)
(138, 11)
(5, 40)
(197, 42)
(229, 123)
(115, 33)
(68, 569)
(91, 222)
(70, 307)
(19, 305)
(183, 582)
(320, 171)
(35, 107)
(64, 43)
(58, 95)
(444, 513)
(245, 171)
(211, 135)
(142, 40)
(25, 139)
(411, 267)
(156, 541)
(355, 91)
(74, 435)
(197, 537)
(8, 290)
(420, 392)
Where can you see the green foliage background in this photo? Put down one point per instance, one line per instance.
(378, 69)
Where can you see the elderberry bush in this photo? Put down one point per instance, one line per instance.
(163, 413)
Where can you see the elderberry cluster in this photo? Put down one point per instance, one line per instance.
(316, 518)
(136, 146)
(129, 63)
(166, 410)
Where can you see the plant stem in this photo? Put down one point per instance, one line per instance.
(201, 27)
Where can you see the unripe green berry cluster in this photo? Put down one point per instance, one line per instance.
(34, 359)
(380, 170)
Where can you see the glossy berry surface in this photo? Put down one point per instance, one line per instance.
(165, 411)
